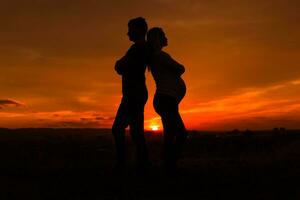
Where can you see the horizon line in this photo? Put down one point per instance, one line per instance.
(149, 130)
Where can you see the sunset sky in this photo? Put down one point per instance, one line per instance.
(242, 61)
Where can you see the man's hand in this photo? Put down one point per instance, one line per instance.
(121, 65)
(118, 67)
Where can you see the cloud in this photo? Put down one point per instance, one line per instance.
(78, 124)
(262, 107)
(60, 118)
(8, 102)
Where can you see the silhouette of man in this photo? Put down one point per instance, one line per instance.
(132, 68)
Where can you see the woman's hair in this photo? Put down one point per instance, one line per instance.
(154, 36)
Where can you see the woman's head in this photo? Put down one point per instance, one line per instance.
(156, 38)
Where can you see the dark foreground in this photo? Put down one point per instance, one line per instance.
(77, 164)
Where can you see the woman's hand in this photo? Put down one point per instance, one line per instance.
(174, 65)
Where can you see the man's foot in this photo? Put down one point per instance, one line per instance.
(170, 169)
(143, 168)
(119, 168)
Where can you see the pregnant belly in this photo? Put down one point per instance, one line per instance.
(181, 88)
(173, 87)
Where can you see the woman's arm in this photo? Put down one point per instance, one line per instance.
(174, 65)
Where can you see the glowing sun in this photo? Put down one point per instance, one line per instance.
(154, 127)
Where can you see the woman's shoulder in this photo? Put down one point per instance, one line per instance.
(162, 55)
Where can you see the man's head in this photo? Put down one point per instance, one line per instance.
(137, 29)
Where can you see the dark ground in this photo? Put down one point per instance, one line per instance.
(77, 164)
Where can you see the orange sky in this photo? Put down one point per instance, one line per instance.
(241, 57)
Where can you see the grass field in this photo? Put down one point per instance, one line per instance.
(77, 164)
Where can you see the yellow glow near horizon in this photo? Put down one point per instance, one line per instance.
(154, 127)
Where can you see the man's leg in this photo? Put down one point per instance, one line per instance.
(137, 133)
(118, 130)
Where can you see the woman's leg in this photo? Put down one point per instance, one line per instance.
(177, 128)
(180, 135)
(164, 106)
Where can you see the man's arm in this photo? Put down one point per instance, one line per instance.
(125, 63)
(122, 65)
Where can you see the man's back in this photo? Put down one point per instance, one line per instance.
(130, 113)
(133, 70)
